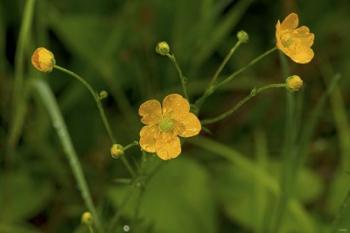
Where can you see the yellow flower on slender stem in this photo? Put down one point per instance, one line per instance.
(294, 41)
(43, 60)
(164, 123)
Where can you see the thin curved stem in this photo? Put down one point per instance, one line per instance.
(224, 62)
(253, 93)
(132, 144)
(101, 111)
(183, 79)
(214, 87)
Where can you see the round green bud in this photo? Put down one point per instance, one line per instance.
(86, 218)
(163, 48)
(294, 83)
(117, 150)
(243, 36)
(103, 94)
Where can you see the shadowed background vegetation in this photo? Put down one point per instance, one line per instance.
(271, 167)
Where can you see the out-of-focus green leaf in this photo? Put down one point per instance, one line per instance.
(236, 190)
(178, 199)
(17, 228)
(21, 196)
(342, 223)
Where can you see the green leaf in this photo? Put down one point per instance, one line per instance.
(18, 228)
(23, 196)
(303, 222)
(239, 203)
(177, 199)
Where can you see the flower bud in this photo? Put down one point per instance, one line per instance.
(86, 218)
(294, 83)
(43, 60)
(103, 95)
(242, 36)
(163, 48)
(117, 150)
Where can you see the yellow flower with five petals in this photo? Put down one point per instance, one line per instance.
(165, 123)
(294, 41)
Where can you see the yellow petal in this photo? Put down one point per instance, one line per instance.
(148, 136)
(168, 146)
(278, 36)
(187, 124)
(303, 56)
(303, 30)
(151, 112)
(309, 39)
(290, 22)
(175, 103)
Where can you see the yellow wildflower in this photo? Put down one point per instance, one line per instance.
(294, 83)
(86, 218)
(43, 60)
(164, 123)
(294, 42)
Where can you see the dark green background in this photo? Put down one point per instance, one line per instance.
(227, 180)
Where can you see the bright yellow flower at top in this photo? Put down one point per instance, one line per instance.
(43, 60)
(294, 42)
(164, 123)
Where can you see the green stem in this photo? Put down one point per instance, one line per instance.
(134, 143)
(101, 111)
(214, 87)
(290, 159)
(18, 99)
(91, 229)
(224, 62)
(51, 105)
(183, 79)
(253, 93)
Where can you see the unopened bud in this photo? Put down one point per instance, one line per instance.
(43, 60)
(103, 94)
(294, 83)
(163, 48)
(86, 218)
(243, 36)
(117, 150)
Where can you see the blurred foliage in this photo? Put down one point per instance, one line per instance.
(227, 180)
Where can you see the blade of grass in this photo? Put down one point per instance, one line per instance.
(340, 116)
(49, 101)
(312, 120)
(220, 31)
(2, 41)
(260, 194)
(303, 219)
(341, 222)
(19, 104)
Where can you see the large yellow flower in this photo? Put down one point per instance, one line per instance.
(294, 42)
(165, 123)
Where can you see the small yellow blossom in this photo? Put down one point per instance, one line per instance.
(294, 42)
(43, 60)
(117, 150)
(163, 48)
(164, 123)
(86, 218)
(294, 83)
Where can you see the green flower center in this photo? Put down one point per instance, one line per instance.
(166, 124)
(287, 39)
